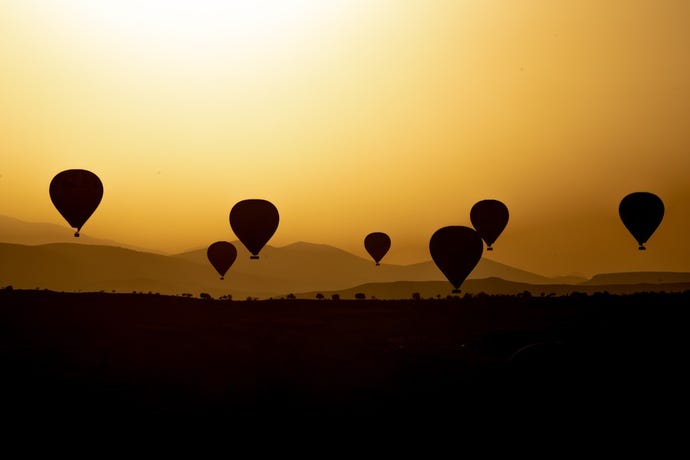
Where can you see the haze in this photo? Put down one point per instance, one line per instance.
(356, 117)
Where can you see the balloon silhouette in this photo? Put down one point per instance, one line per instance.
(254, 222)
(489, 218)
(456, 250)
(76, 193)
(222, 255)
(641, 213)
(377, 245)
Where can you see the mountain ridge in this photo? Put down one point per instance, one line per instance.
(82, 267)
(298, 267)
(491, 286)
(17, 231)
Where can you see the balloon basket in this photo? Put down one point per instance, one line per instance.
(253, 257)
(378, 264)
(76, 234)
(489, 248)
(641, 248)
(456, 291)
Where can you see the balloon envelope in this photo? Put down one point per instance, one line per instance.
(489, 218)
(222, 255)
(254, 222)
(641, 213)
(377, 245)
(456, 250)
(76, 193)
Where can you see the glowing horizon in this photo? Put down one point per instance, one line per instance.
(355, 117)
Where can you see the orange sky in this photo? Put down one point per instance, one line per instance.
(356, 116)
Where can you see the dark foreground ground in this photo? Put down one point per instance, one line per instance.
(140, 357)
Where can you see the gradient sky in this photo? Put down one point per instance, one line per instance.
(356, 116)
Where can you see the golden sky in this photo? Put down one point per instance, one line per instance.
(354, 116)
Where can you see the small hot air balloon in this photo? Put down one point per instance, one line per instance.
(377, 245)
(456, 250)
(254, 222)
(641, 213)
(222, 255)
(489, 218)
(76, 193)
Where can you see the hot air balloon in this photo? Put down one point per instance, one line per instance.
(222, 255)
(377, 245)
(76, 193)
(456, 250)
(254, 222)
(489, 218)
(641, 213)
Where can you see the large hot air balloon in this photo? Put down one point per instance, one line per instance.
(456, 250)
(377, 245)
(254, 222)
(641, 213)
(489, 218)
(76, 193)
(222, 255)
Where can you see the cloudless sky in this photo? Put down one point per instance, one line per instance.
(356, 116)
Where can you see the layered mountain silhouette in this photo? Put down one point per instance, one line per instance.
(491, 286)
(297, 267)
(303, 269)
(21, 232)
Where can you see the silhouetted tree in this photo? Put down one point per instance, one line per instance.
(205, 296)
(416, 296)
(319, 296)
(335, 297)
(291, 296)
(360, 296)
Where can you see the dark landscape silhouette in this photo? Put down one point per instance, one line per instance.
(103, 356)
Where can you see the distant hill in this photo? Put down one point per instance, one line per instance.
(299, 267)
(33, 233)
(296, 267)
(82, 264)
(639, 277)
(431, 289)
(76, 267)
(319, 266)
